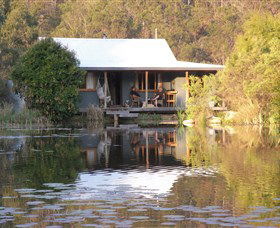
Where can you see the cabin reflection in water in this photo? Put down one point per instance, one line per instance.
(147, 147)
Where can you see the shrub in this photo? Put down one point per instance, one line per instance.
(95, 114)
(48, 77)
(202, 90)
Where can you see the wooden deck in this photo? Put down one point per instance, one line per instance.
(129, 112)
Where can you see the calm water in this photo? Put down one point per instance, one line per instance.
(140, 177)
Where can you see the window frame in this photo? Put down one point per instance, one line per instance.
(85, 84)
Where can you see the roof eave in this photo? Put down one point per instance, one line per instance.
(151, 68)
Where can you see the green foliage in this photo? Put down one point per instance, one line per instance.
(252, 71)
(188, 28)
(4, 9)
(18, 32)
(203, 91)
(181, 115)
(48, 77)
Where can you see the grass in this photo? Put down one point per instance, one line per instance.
(27, 117)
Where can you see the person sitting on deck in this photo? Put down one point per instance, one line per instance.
(135, 97)
(159, 96)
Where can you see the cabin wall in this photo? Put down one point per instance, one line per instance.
(179, 85)
(88, 98)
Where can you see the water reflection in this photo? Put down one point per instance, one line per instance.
(142, 177)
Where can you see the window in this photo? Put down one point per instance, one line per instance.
(89, 82)
(152, 81)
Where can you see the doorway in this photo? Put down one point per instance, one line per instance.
(115, 86)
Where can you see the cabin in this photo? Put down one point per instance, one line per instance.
(119, 64)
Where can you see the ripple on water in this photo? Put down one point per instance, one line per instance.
(168, 224)
(137, 210)
(34, 203)
(139, 217)
(174, 217)
(91, 225)
(25, 190)
(32, 224)
(52, 207)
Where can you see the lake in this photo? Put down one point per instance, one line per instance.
(140, 177)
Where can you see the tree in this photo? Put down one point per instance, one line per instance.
(252, 72)
(49, 78)
(17, 34)
(4, 9)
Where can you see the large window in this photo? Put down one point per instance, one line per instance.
(89, 82)
(152, 81)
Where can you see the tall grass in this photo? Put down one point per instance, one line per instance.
(27, 117)
(95, 115)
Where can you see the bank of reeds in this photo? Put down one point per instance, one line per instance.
(26, 117)
(95, 115)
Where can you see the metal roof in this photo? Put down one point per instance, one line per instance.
(128, 54)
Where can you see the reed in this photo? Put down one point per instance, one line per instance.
(26, 117)
(95, 114)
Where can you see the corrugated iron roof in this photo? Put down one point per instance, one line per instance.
(128, 54)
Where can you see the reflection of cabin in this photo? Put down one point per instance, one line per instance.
(147, 64)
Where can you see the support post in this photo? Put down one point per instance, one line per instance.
(188, 85)
(105, 88)
(160, 85)
(146, 87)
(116, 120)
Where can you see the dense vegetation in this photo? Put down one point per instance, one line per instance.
(251, 81)
(197, 30)
(48, 77)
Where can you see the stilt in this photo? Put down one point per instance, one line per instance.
(188, 85)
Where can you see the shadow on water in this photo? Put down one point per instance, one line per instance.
(140, 177)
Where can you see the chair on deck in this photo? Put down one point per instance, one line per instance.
(135, 102)
(161, 102)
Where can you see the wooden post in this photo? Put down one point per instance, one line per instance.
(146, 87)
(160, 81)
(105, 88)
(116, 120)
(188, 85)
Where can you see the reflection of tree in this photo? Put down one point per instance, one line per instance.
(250, 164)
(201, 149)
(201, 192)
(49, 160)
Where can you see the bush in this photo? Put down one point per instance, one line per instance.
(202, 90)
(95, 114)
(48, 77)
